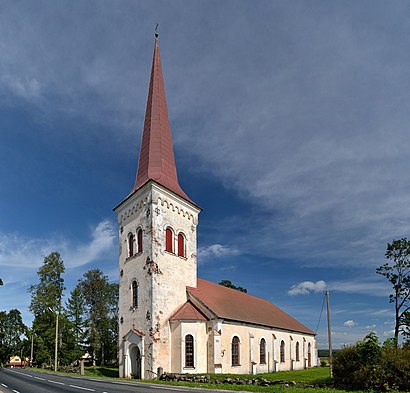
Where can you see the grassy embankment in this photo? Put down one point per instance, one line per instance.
(304, 378)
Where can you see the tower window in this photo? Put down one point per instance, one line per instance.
(262, 352)
(130, 245)
(139, 240)
(189, 351)
(181, 245)
(134, 294)
(282, 352)
(297, 351)
(169, 240)
(235, 351)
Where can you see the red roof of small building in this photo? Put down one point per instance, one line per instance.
(156, 159)
(231, 304)
(188, 312)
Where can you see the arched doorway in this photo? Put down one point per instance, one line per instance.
(135, 358)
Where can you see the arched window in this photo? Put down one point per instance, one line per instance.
(134, 294)
(235, 351)
(282, 351)
(169, 240)
(189, 351)
(139, 240)
(181, 245)
(297, 351)
(262, 352)
(130, 245)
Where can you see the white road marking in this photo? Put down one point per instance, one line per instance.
(59, 383)
(163, 387)
(4, 385)
(16, 391)
(41, 379)
(80, 387)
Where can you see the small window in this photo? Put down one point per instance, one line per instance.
(235, 352)
(297, 351)
(282, 352)
(262, 352)
(134, 294)
(181, 245)
(169, 240)
(189, 351)
(139, 240)
(130, 245)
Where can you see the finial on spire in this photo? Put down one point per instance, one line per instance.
(156, 30)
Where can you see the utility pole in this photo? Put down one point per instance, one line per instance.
(329, 334)
(56, 349)
(57, 311)
(32, 347)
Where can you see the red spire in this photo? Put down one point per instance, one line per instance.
(156, 160)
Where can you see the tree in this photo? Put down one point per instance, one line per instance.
(228, 284)
(75, 310)
(397, 272)
(45, 304)
(101, 305)
(12, 330)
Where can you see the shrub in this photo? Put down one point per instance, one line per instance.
(367, 365)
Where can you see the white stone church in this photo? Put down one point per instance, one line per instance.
(171, 320)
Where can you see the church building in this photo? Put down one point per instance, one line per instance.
(170, 320)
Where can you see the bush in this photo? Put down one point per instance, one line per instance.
(367, 365)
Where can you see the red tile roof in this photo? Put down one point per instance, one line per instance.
(156, 159)
(230, 304)
(188, 312)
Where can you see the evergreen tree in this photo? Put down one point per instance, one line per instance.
(75, 310)
(101, 304)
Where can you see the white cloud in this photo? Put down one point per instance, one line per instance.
(373, 287)
(216, 251)
(102, 241)
(389, 333)
(17, 252)
(350, 323)
(304, 288)
(371, 326)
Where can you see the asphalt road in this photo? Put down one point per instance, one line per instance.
(27, 381)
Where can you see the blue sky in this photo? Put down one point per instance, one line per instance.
(290, 125)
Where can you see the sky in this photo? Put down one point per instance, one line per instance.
(290, 123)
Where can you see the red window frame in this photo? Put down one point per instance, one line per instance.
(181, 245)
(130, 245)
(169, 240)
(139, 240)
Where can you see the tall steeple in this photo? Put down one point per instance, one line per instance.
(156, 159)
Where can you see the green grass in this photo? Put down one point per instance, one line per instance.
(98, 371)
(252, 388)
(311, 375)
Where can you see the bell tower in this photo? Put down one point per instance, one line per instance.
(157, 232)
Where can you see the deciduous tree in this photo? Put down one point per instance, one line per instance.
(45, 304)
(12, 330)
(397, 272)
(229, 284)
